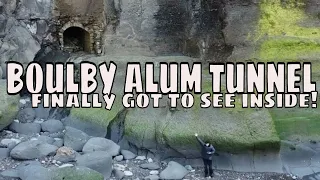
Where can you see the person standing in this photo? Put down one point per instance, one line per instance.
(207, 151)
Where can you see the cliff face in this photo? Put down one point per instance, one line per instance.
(162, 27)
(24, 26)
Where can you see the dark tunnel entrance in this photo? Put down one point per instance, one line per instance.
(76, 39)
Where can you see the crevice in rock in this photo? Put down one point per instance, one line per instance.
(116, 127)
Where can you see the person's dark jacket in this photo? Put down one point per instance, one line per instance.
(206, 152)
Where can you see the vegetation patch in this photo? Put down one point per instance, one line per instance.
(282, 39)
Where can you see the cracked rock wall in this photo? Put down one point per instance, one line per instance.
(24, 26)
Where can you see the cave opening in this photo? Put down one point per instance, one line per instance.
(76, 39)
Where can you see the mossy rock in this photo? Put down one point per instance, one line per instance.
(282, 37)
(9, 106)
(99, 116)
(280, 34)
(298, 123)
(232, 130)
(75, 173)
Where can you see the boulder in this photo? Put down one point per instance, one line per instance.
(32, 149)
(234, 130)
(10, 142)
(65, 155)
(31, 172)
(45, 139)
(25, 128)
(26, 115)
(174, 170)
(90, 128)
(9, 106)
(10, 173)
(58, 142)
(99, 161)
(101, 144)
(52, 126)
(127, 155)
(118, 158)
(41, 112)
(75, 173)
(75, 138)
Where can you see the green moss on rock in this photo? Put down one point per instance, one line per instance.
(9, 106)
(228, 129)
(71, 173)
(283, 38)
(98, 116)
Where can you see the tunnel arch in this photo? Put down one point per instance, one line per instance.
(76, 37)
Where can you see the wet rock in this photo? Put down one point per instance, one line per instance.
(128, 173)
(10, 173)
(152, 177)
(52, 126)
(65, 155)
(189, 168)
(118, 158)
(4, 153)
(118, 174)
(10, 142)
(25, 128)
(56, 135)
(76, 173)
(28, 163)
(75, 138)
(34, 172)
(119, 167)
(87, 127)
(99, 161)
(127, 155)
(26, 115)
(46, 139)
(41, 112)
(101, 144)
(32, 149)
(174, 171)
(58, 142)
(150, 166)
